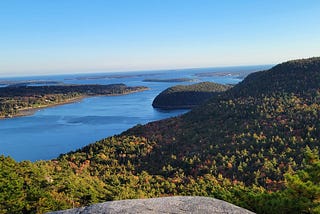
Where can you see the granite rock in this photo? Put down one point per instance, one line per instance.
(178, 204)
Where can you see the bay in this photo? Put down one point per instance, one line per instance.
(60, 129)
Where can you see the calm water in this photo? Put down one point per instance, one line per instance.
(53, 131)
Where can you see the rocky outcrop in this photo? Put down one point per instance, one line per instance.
(178, 204)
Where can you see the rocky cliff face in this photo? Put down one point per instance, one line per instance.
(177, 204)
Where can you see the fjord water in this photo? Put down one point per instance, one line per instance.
(60, 129)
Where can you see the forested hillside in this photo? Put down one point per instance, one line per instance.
(255, 145)
(187, 96)
(16, 98)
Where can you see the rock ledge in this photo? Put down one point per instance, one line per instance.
(178, 204)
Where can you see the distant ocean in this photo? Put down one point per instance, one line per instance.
(56, 130)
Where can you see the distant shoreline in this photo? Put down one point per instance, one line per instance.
(171, 80)
(31, 111)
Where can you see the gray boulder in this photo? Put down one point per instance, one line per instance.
(178, 204)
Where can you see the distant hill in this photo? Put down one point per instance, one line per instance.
(296, 76)
(187, 96)
(255, 145)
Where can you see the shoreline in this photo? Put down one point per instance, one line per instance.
(31, 111)
(175, 107)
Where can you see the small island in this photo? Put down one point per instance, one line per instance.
(112, 76)
(186, 97)
(24, 100)
(171, 80)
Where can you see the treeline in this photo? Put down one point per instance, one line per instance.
(109, 170)
(187, 96)
(14, 99)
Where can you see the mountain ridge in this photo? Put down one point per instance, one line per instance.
(236, 108)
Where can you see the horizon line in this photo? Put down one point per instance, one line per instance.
(123, 71)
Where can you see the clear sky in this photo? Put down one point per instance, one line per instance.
(66, 36)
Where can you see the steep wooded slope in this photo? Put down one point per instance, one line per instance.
(252, 133)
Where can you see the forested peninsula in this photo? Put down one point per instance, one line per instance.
(187, 96)
(255, 145)
(16, 100)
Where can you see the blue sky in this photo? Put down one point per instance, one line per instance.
(74, 36)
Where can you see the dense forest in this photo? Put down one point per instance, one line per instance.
(255, 145)
(187, 96)
(16, 98)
